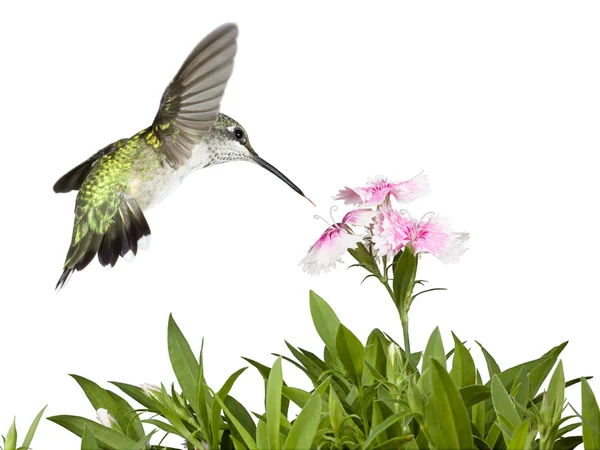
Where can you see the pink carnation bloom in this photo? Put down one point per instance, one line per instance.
(393, 231)
(379, 191)
(334, 242)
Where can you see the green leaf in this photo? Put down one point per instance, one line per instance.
(115, 405)
(325, 320)
(10, 443)
(337, 414)
(568, 443)
(556, 390)
(299, 396)
(433, 351)
(538, 374)
(364, 258)
(590, 414)
(262, 438)
(376, 351)
(106, 438)
(520, 392)
(204, 399)
(132, 425)
(463, 367)
(241, 430)
(446, 417)
(522, 437)
(216, 408)
(184, 363)
(163, 426)
(478, 408)
(136, 393)
(142, 444)
(538, 398)
(351, 354)
(241, 415)
(304, 429)
(475, 394)
(33, 428)
(508, 376)
(508, 417)
(88, 441)
(404, 276)
(274, 388)
(492, 366)
(379, 429)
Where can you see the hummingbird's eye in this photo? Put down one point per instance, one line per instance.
(238, 133)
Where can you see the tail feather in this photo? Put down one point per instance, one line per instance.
(128, 232)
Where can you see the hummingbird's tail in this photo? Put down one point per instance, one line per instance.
(128, 231)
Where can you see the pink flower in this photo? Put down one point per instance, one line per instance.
(334, 242)
(393, 231)
(379, 191)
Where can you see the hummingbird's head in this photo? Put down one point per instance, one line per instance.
(228, 141)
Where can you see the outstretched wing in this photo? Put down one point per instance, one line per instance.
(191, 102)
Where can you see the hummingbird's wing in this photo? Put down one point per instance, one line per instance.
(74, 178)
(108, 221)
(191, 102)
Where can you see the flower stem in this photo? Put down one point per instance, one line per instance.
(403, 320)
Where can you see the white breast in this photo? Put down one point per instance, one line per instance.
(153, 187)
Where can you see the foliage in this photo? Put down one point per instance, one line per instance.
(363, 397)
(9, 442)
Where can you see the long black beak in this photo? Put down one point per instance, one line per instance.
(262, 163)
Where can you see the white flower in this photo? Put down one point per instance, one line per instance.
(106, 418)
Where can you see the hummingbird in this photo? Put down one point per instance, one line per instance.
(119, 182)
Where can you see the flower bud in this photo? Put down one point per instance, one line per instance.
(106, 418)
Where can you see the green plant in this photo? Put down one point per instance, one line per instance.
(9, 442)
(377, 395)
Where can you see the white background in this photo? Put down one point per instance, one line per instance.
(498, 103)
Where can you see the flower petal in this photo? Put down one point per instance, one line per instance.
(436, 237)
(407, 191)
(328, 249)
(358, 217)
(350, 196)
(391, 232)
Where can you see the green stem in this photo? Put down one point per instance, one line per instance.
(403, 320)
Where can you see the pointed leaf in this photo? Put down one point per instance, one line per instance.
(304, 429)
(351, 354)
(446, 417)
(590, 414)
(33, 428)
(243, 433)
(492, 366)
(505, 408)
(136, 393)
(298, 396)
(106, 438)
(380, 428)
(325, 320)
(216, 408)
(274, 388)
(463, 367)
(184, 363)
(474, 394)
(556, 390)
(522, 437)
(88, 441)
(376, 351)
(10, 443)
(433, 351)
(404, 276)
